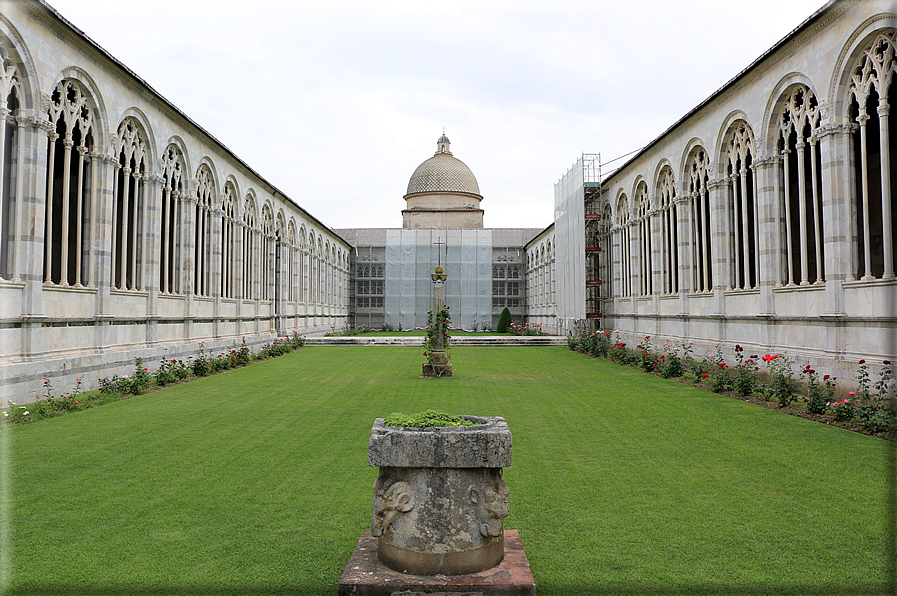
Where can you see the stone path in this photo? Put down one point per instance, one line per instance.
(457, 340)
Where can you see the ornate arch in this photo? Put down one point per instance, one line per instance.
(206, 203)
(138, 117)
(742, 205)
(229, 217)
(16, 51)
(90, 91)
(870, 95)
(181, 146)
(696, 182)
(71, 157)
(851, 52)
(639, 179)
(129, 208)
(174, 202)
(669, 229)
(724, 136)
(15, 97)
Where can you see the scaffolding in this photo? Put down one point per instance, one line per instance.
(591, 172)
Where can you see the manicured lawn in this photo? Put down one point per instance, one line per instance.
(255, 481)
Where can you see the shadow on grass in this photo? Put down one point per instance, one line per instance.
(572, 590)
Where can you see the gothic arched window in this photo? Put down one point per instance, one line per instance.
(250, 250)
(624, 230)
(12, 154)
(669, 235)
(643, 221)
(698, 169)
(173, 202)
(228, 241)
(743, 209)
(800, 196)
(68, 204)
(871, 93)
(266, 259)
(205, 200)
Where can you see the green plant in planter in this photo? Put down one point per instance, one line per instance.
(426, 419)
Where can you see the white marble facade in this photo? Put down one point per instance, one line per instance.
(765, 216)
(126, 230)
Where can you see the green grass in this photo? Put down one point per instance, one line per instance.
(255, 481)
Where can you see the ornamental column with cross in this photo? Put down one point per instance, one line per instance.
(437, 364)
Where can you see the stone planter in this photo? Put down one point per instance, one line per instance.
(439, 500)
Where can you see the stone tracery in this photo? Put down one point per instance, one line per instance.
(202, 221)
(698, 169)
(669, 236)
(250, 250)
(643, 224)
(228, 240)
(743, 208)
(800, 194)
(173, 224)
(11, 155)
(624, 230)
(68, 206)
(870, 94)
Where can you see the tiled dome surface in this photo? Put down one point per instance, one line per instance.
(442, 173)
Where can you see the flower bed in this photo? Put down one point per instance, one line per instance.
(870, 409)
(142, 380)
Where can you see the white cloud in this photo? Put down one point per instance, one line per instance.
(336, 103)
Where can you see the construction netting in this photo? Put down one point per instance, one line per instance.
(570, 259)
(413, 254)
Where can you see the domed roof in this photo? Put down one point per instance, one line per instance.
(443, 173)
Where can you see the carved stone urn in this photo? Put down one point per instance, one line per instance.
(440, 499)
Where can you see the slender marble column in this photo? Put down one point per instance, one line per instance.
(888, 238)
(815, 196)
(867, 248)
(48, 236)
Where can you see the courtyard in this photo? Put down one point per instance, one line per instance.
(255, 481)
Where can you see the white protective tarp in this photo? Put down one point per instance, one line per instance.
(412, 255)
(570, 251)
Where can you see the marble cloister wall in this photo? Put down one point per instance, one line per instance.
(765, 216)
(126, 230)
(541, 282)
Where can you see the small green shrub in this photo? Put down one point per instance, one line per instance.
(783, 386)
(874, 406)
(504, 321)
(200, 363)
(819, 393)
(426, 419)
(671, 365)
(717, 375)
(745, 380)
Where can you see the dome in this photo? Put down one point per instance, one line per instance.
(443, 173)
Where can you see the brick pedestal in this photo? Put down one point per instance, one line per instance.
(367, 576)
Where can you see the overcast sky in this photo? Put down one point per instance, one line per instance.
(337, 102)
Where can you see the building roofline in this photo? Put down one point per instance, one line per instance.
(130, 73)
(825, 9)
